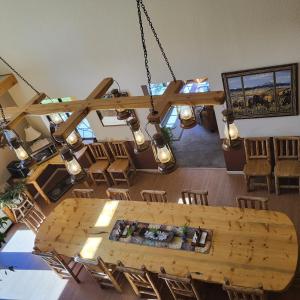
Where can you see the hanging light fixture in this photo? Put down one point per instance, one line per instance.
(56, 118)
(140, 143)
(163, 154)
(122, 114)
(231, 133)
(14, 141)
(186, 116)
(74, 141)
(77, 173)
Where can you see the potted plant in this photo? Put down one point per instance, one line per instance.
(12, 197)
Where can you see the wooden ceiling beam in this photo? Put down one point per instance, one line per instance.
(6, 82)
(101, 88)
(17, 118)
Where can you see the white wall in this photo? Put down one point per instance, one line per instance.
(66, 47)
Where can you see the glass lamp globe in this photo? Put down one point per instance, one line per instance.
(21, 153)
(139, 137)
(72, 138)
(73, 167)
(56, 118)
(186, 112)
(233, 132)
(164, 154)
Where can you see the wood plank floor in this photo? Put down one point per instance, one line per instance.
(222, 190)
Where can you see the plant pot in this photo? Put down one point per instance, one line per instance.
(9, 213)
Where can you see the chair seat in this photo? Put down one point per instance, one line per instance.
(99, 167)
(119, 165)
(287, 168)
(258, 167)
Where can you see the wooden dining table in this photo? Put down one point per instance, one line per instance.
(251, 248)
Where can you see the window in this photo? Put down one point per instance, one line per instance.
(84, 128)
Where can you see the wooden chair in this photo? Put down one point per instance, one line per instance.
(180, 286)
(258, 162)
(98, 170)
(63, 267)
(287, 160)
(243, 293)
(23, 208)
(118, 194)
(83, 193)
(194, 197)
(122, 169)
(154, 196)
(33, 219)
(252, 202)
(140, 280)
(105, 274)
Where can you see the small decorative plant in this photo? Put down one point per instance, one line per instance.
(167, 134)
(12, 195)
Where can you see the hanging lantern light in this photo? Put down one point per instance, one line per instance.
(72, 165)
(74, 141)
(122, 114)
(163, 154)
(56, 118)
(140, 143)
(186, 116)
(15, 143)
(231, 133)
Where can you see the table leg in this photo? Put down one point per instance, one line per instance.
(41, 192)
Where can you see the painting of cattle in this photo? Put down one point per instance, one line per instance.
(263, 92)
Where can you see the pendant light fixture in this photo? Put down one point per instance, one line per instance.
(74, 141)
(77, 173)
(122, 114)
(163, 154)
(140, 143)
(187, 117)
(161, 149)
(231, 133)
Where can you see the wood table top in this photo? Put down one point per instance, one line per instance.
(249, 247)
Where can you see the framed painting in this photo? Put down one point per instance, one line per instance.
(263, 92)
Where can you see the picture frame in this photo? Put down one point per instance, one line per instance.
(262, 92)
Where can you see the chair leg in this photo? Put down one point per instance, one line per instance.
(92, 178)
(106, 176)
(127, 178)
(299, 185)
(113, 179)
(269, 184)
(247, 178)
(277, 187)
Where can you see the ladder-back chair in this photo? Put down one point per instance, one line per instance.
(154, 196)
(63, 267)
(287, 161)
(122, 169)
(180, 286)
(252, 202)
(194, 197)
(243, 293)
(141, 281)
(258, 162)
(105, 274)
(98, 170)
(118, 194)
(83, 193)
(23, 208)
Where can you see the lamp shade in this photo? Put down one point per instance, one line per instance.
(31, 134)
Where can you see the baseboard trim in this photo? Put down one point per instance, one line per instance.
(235, 172)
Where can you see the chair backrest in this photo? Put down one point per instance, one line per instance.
(252, 202)
(257, 148)
(118, 194)
(83, 193)
(140, 280)
(99, 151)
(286, 148)
(118, 149)
(194, 197)
(179, 286)
(243, 293)
(23, 208)
(154, 196)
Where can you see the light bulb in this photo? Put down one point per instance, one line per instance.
(139, 137)
(73, 166)
(163, 154)
(21, 153)
(186, 112)
(120, 109)
(56, 118)
(233, 132)
(72, 138)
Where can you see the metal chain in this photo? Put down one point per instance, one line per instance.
(157, 40)
(3, 121)
(138, 3)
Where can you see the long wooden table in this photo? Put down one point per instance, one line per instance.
(250, 247)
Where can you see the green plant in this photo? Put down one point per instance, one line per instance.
(167, 134)
(11, 194)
